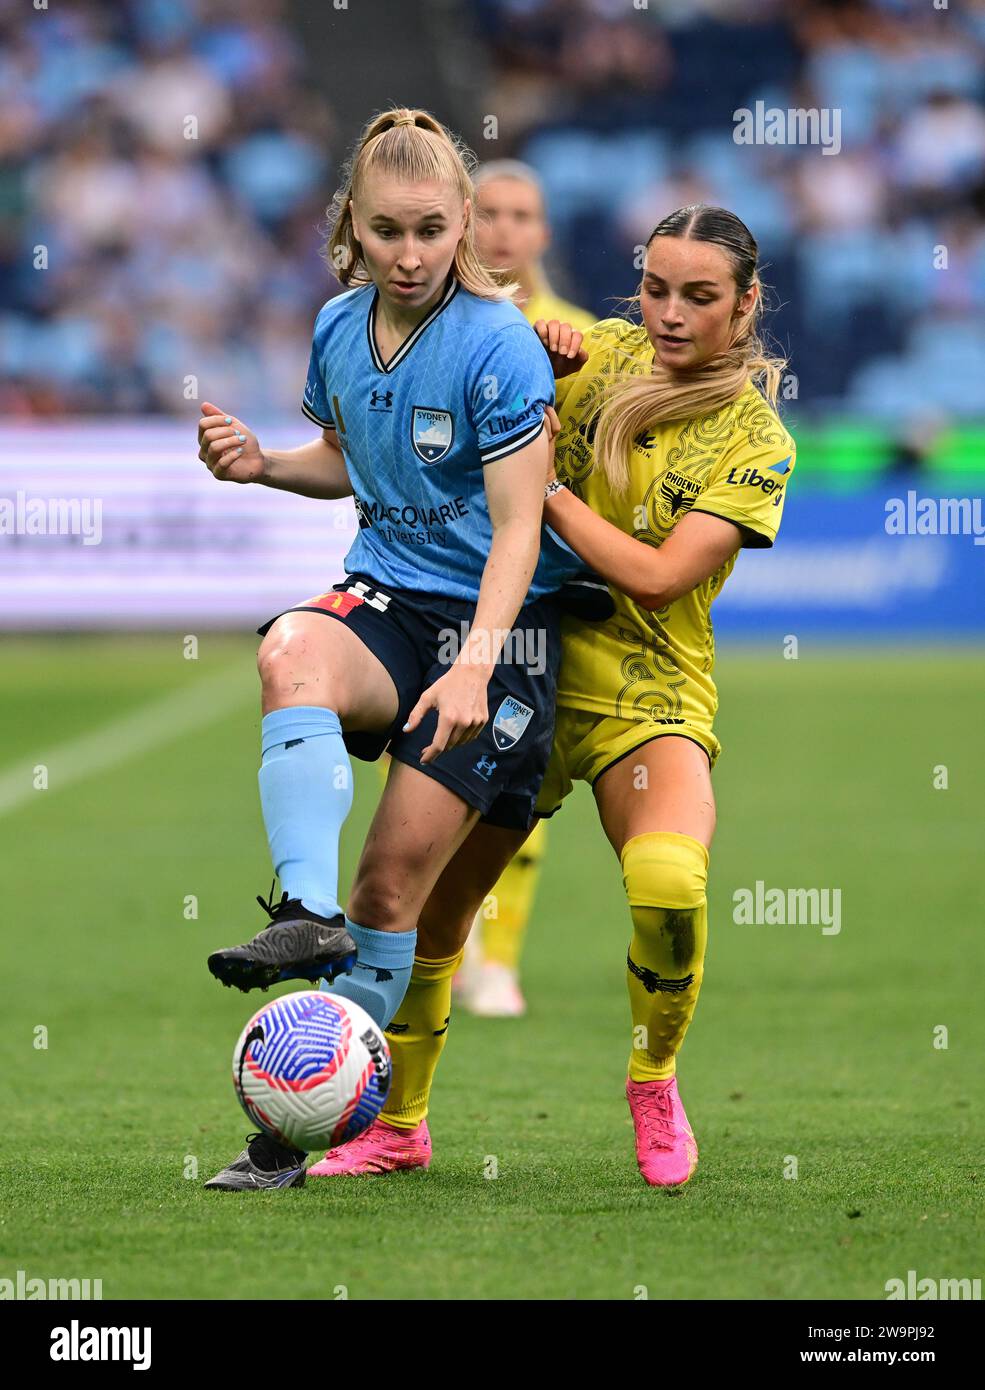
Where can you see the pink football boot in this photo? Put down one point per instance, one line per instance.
(380, 1149)
(665, 1147)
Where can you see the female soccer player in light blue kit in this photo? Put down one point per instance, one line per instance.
(430, 390)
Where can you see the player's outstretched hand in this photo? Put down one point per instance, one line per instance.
(562, 343)
(459, 696)
(229, 450)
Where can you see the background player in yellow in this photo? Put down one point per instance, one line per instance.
(512, 235)
(673, 460)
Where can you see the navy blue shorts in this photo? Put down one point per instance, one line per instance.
(417, 636)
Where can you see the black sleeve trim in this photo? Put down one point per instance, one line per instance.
(325, 424)
(503, 451)
(751, 539)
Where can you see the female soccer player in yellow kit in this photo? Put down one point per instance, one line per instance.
(670, 460)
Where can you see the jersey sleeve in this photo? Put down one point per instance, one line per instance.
(509, 389)
(314, 402)
(594, 338)
(749, 484)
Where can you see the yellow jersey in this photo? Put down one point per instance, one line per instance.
(733, 463)
(545, 304)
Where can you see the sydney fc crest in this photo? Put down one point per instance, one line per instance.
(431, 433)
(510, 721)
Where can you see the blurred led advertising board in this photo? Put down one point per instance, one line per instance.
(121, 526)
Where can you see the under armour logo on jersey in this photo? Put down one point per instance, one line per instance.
(369, 595)
(381, 400)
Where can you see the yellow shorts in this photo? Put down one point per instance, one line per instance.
(587, 744)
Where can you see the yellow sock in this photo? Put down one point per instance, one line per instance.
(665, 877)
(416, 1036)
(506, 912)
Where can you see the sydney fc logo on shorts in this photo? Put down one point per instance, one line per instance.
(431, 433)
(510, 721)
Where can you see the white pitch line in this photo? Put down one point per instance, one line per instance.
(162, 721)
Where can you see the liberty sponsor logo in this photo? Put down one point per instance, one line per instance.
(935, 516)
(521, 408)
(431, 433)
(751, 477)
(510, 722)
(78, 1343)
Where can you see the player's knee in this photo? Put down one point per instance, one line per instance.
(375, 901)
(665, 870)
(290, 663)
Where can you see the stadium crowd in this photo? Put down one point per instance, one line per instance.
(135, 240)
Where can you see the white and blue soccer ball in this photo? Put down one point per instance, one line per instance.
(312, 1069)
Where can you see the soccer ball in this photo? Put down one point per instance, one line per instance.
(312, 1069)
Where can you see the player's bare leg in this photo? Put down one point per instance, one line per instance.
(399, 1139)
(315, 676)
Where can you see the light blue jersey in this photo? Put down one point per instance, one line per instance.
(469, 386)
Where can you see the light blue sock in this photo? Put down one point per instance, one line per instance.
(306, 793)
(382, 972)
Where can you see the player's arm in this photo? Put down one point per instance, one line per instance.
(515, 500)
(514, 495)
(232, 454)
(697, 547)
(314, 470)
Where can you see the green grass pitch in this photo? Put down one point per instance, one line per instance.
(805, 1046)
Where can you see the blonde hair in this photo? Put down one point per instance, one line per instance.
(640, 398)
(413, 146)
